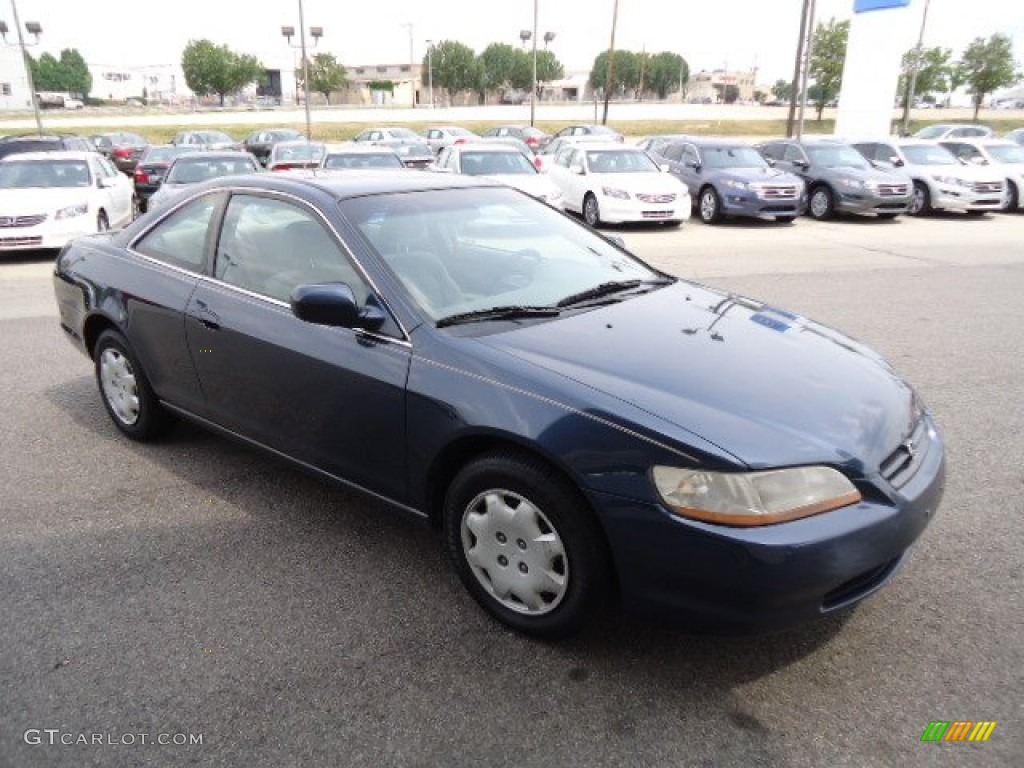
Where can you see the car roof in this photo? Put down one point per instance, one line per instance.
(480, 146)
(36, 137)
(65, 154)
(215, 155)
(354, 183)
(354, 148)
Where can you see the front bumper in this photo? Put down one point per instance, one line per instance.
(867, 202)
(722, 579)
(948, 197)
(751, 205)
(50, 234)
(618, 211)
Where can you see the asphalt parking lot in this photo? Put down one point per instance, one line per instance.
(197, 588)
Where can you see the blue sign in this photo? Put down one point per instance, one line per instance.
(863, 6)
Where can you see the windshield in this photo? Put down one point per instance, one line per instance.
(732, 157)
(925, 154)
(193, 170)
(1006, 153)
(466, 250)
(376, 160)
(931, 132)
(214, 137)
(298, 153)
(402, 133)
(620, 161)
(165, 154)
(23, 174)
(496, 163)
(836, 156)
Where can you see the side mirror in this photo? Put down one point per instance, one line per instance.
(695, 165)
(803, 165)
(895, 162)
(770, 161)
(334, 304)
(577, 169)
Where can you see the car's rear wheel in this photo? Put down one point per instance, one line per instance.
(1012, 197)
(591, 210)
(710, 206)
(921, 202)
(525, 545)
(125, 390)
(822, 203)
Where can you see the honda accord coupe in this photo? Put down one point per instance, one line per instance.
(581, 427)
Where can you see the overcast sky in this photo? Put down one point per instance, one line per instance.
(709, 33)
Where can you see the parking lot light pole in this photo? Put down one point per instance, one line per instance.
(912, 82)
(430, 70)
(33, 28)
(533, 79)
(316, 33)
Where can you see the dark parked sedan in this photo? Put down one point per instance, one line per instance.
(151, 168)
(122, 149)
(578, 424)
(260, 143)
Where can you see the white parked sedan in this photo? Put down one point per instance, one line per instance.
(50, 198)
(611, 183)
(501, 163)
(998, 155)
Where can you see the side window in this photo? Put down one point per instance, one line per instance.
(793, 154)
(673, 152)
(884, 153)
(108, 167)
(690, 155)
(180, 239)
(562, 158)
(271, 247)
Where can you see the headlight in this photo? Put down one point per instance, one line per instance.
(620, 194)
(753, 498)
(732, 184)
(852, 183)
(72, 210)
(953, 181)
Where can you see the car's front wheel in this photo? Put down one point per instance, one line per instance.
(526, 545)
(921, 202)
(710, 206)
(1012, 197)
(591, 210)
(822, 203)
(125, 390)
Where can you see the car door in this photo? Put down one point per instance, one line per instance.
(691, 169)
(157, 289)
(122, 191)
(794, 161)
(566, 180)
(107, 192)
(333, 398)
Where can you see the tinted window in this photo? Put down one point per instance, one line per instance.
(271, 247)
(364, 160)
(673, 152)
(837, 155)
(496, 163)
(732, 157)
(793, 154)
(195, 168)
(180, 239)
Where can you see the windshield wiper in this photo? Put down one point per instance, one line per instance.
(607, 289)
(510, 312)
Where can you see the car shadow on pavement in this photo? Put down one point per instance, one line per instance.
(321, 595)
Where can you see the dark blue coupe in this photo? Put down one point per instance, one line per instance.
(579, 425)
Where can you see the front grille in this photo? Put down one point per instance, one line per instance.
(11, 242)
(988, 186)
(902, 464)
(7, 222)
(657, 214)
(656, 198)
(778, 193)
(893, 190)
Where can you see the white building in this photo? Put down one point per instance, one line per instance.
(14, 91)
(159, 83)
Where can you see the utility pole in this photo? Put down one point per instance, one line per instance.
(610, 79)
(912, 81)
(808, 52)
(533, 79)
(797, 65)
(643, 62)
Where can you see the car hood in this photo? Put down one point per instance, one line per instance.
(958, 171)
(767, 387)
(654, 182)
(532, 184)
(26, 202)
(772, 175)
(861, 174)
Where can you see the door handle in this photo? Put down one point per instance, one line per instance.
(205, 315)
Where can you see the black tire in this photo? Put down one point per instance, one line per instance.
(102, 222)
(591, 210)
(1012, 197)
(785, 219)
(709, 206)
(889, 216)
(821, 204)
(922, 204)
(510, 479)
(150, 419)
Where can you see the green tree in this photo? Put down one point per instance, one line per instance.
(211, 68)
(75, 72)
(782, 90)
(987, 66)
(455, 67)
(496, 66)
(664, 72)
(326, 75)
(548, 67)
(626, 74)
(933, 67)
(827, 58)
(46, 73)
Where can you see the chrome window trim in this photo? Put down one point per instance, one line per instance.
(231, 190)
